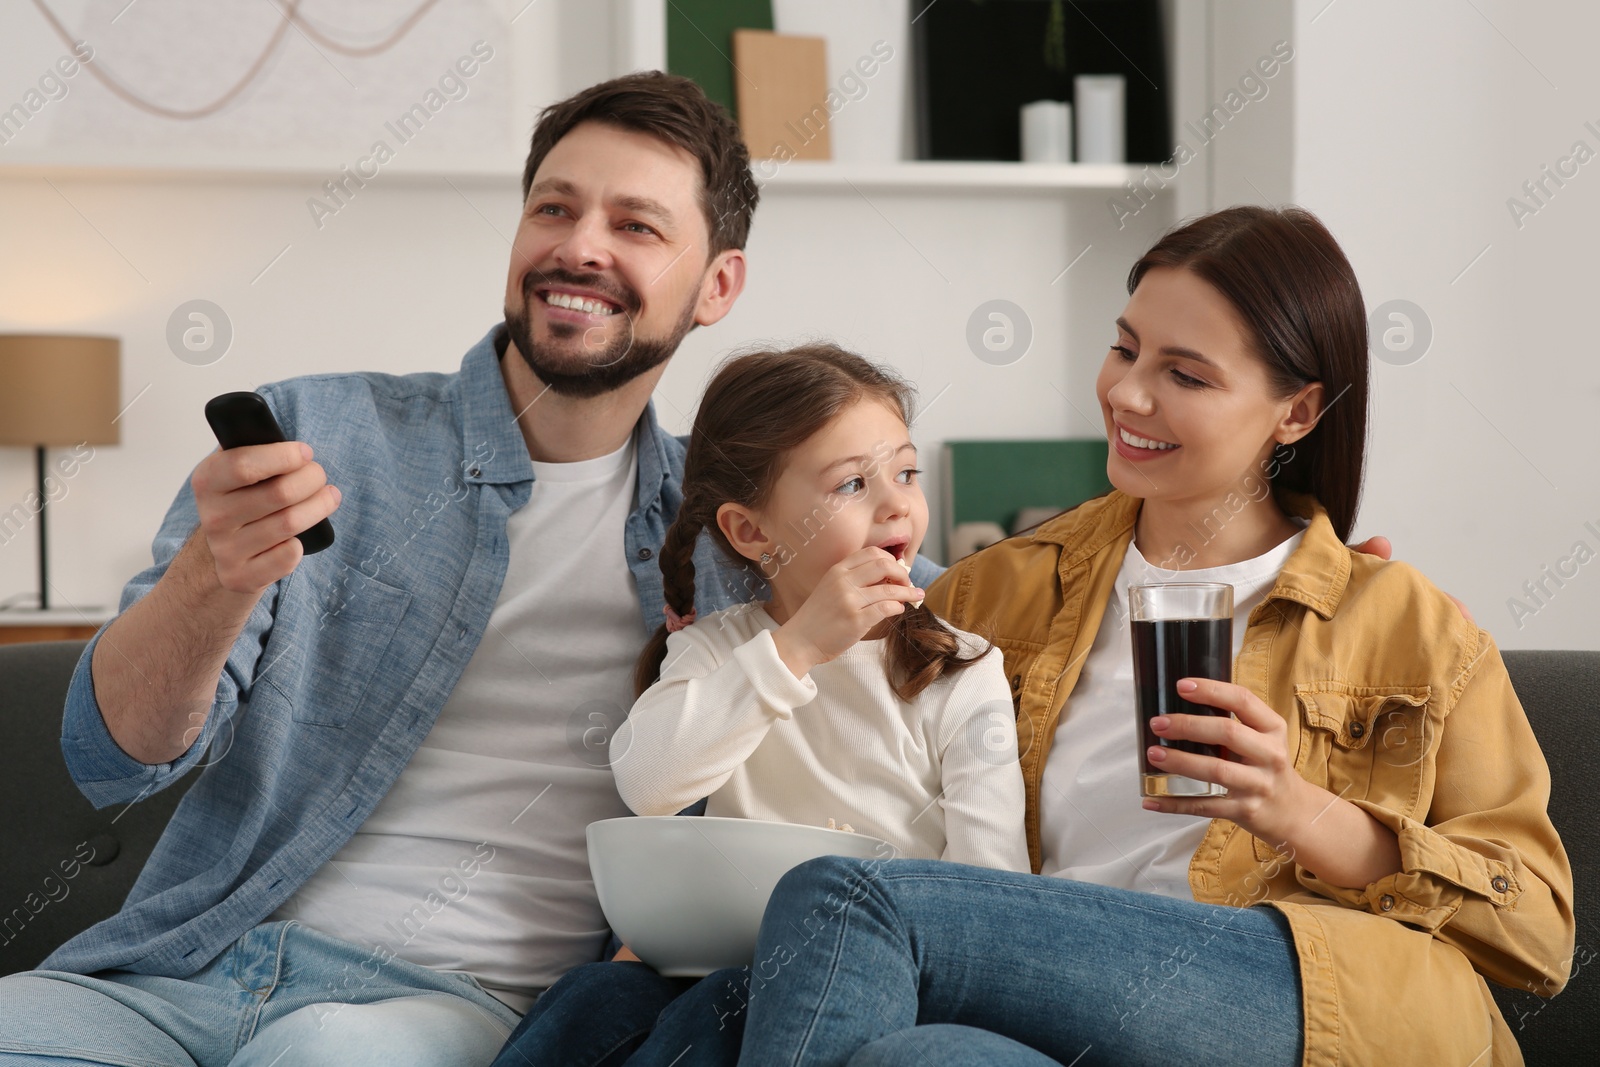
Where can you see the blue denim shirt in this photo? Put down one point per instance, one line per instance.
(344, 665)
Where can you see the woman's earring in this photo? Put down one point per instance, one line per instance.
(766, 557)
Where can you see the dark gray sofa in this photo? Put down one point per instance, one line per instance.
(49, 829)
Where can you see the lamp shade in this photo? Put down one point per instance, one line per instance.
(59, 389)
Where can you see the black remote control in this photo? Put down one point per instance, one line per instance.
(240, 419)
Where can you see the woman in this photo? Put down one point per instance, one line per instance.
(1383, 841)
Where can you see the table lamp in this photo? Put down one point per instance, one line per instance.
(55, 389)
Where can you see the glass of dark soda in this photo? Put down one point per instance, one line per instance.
(1180, 630)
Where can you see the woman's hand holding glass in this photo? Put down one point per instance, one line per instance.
(1267, 797)
(1265, 793)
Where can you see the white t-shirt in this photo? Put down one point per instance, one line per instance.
(1092, 825)
(476, 860)
(937, 777)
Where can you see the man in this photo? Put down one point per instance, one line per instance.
(403, 738)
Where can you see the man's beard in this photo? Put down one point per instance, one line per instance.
(593, 371)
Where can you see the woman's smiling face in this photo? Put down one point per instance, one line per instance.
(1188, 405)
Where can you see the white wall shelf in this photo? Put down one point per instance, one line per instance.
(798, 174)
(779, 177)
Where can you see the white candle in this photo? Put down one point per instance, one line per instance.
(1102, 117)
(1047, 132)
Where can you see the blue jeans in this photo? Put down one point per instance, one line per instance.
(281, 995)
(609, 1014)
(859, 959)
(947, 1045)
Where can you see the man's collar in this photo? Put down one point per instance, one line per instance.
(656, 478)
(493, 444)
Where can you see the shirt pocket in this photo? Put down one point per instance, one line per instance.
(329, 665)
(1367, 742)
(1362, 743)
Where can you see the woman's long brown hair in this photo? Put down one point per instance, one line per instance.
(759, 407)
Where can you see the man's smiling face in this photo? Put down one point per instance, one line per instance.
(609, 269)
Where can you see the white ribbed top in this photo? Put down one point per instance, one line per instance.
(936, 777)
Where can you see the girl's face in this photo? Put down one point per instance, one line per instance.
(852, 484)
(1188, 406)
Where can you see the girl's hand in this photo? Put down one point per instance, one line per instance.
(624, 954)
(1266, 796)
(855, 595)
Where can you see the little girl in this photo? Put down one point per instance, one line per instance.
(841, 697)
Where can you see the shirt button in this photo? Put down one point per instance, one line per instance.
(645, 553)
(1500, 884)
(475, 471)
(1358, 729)
(1386, 903)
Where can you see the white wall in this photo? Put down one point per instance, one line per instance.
(411, 273)
(1414, 123)
(404, 278)
(1405, 126)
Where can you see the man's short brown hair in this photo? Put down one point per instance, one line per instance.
(674, 109)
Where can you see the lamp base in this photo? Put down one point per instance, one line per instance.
(44, 531)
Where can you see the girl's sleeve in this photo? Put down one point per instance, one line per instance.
(981, 778)
(718, 695)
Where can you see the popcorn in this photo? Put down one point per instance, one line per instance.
(846, 827)
(906, 563)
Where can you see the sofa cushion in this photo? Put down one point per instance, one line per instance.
(1558, 691)
(67, 866)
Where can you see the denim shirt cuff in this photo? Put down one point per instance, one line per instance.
(104, 773)
(924, 571)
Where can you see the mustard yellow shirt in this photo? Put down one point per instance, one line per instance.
(1395, 702)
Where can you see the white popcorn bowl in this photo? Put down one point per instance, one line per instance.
(686, 893)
